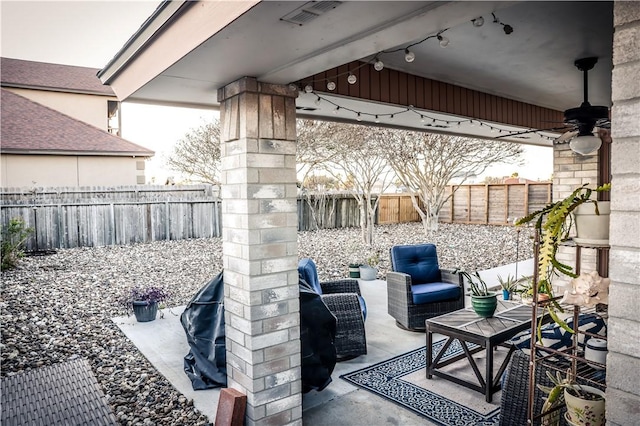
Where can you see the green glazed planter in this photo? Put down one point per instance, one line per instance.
(485, 306)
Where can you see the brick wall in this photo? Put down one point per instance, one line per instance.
(623, 362)
(571, 170)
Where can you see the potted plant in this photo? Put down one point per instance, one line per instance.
(369, 270)
(553, 224)
(508, 286)
(143, 302)
(483, 301)
(585, 404)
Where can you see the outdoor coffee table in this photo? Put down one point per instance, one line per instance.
(488, 333)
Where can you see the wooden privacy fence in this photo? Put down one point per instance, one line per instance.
(79, 217)
(493, 204)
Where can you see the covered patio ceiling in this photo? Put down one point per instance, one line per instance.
(287, 42)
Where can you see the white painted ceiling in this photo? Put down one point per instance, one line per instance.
(534, 64)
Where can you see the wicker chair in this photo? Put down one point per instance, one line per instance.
(418, 289)
(345, 302)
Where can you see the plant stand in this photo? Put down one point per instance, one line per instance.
(579, 368)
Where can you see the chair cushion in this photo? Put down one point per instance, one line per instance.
(434, 292)
(555, 337)
(308, 272)
(419, 261)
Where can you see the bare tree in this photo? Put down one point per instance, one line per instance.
(359, 153)
(313, 150)
(426, 163)
(197, 154)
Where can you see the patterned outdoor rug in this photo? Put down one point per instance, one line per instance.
(402, 380)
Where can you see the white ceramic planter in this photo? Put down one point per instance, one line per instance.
(368, 273)
(590, 227)
(583, 412)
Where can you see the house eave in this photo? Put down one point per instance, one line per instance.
(146, 154)
(160, 17)
(57, 89)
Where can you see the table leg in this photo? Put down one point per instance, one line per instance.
(488, 382)
(429, 355)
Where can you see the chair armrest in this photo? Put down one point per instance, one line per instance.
(449, 276)
(340, 286)
(399, 281)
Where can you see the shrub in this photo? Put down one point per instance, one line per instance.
(13, 238)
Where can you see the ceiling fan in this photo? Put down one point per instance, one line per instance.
(582, 120)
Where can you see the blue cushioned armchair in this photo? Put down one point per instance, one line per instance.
(418, 289)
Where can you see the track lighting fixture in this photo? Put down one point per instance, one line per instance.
(478, 22)
(409, 56)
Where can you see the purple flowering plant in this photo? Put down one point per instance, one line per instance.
(148, 294)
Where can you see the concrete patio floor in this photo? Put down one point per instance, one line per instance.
(164, 344)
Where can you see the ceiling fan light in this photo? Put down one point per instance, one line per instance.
(585, 144)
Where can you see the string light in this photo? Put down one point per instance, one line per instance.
(331, 86)
(352, 79)
(378, 65)
(434, 122)
(478, 22)
(444, 41)
(409, 56)
(308, 88)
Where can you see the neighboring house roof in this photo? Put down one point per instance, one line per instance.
(52, 77)
(31, 128)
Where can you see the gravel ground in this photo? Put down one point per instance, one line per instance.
(58, 307)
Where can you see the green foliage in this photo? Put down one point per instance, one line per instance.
(477, 285)
(510, 283)
(13, 238)
(553, 223)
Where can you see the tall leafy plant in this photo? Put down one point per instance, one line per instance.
(14, 237)
(553, 224)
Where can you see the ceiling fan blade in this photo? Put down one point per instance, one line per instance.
(552, 129)
(566, 136)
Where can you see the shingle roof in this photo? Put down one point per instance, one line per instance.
(29, 127)
(45, 76)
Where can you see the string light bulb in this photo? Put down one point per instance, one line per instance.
(377, 119)
(308, 88)
(409, 56)
(444, 41)
(352, 79)
(318, 100)
(378, 65)
(336, 111)
(358, 117)
(478, 22)
(331, 85)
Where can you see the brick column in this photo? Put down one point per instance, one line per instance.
(623, 361)
(260, 254)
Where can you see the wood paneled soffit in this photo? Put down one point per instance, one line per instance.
(399, 88)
